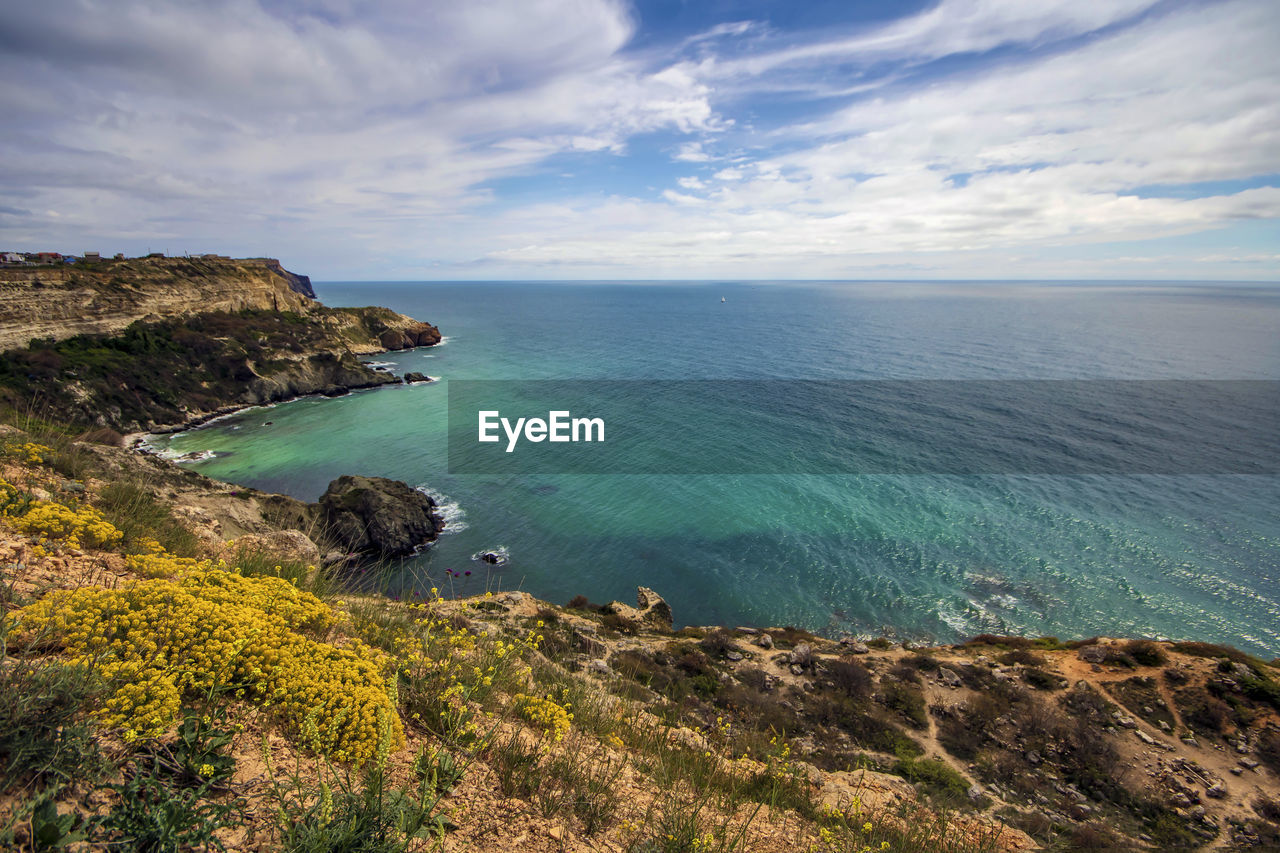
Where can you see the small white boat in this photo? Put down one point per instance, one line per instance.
(722, 299)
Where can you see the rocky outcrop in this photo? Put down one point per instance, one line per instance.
(297, 283)
(417, 335)
(322, 373)
(377, 516)
(373, 329)
(651, 610)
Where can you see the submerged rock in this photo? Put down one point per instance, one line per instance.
(378, 516)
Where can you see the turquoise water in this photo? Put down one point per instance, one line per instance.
(915, 556)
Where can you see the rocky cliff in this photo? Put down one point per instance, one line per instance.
(139, 344)
(107, 296)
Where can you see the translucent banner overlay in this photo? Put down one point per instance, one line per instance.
(1067, 427)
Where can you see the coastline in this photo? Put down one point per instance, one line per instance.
(137, 440)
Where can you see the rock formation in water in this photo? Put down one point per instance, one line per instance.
(374, 515)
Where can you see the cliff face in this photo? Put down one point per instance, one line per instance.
(106, 297)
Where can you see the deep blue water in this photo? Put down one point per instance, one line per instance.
(919, 556)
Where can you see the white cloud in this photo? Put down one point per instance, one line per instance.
(367, 137)
(948, 28)
(692, 152)
(209, 120)
(1055, 150)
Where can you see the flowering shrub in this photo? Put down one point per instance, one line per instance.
(52, 520)
(28, 451)
(553, 719)
(445, 669)
(158, 641)
(11, 500)
(156, 562)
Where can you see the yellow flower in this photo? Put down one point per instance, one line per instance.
(160, 640)
(553, 719)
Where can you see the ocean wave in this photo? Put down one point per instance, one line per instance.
(376, 364)
(180, 457)
(502, 555)
(958, 622)
(449, 509)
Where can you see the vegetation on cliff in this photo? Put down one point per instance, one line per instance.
(169, 371)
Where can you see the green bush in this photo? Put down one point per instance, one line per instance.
(937, 777)
(45, 735)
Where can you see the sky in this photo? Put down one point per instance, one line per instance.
(664, 139)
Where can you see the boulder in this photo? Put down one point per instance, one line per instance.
(415, 376)
(600, 667)
(1092, 654)
(374, 515)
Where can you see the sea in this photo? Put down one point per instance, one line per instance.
(919, 555)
